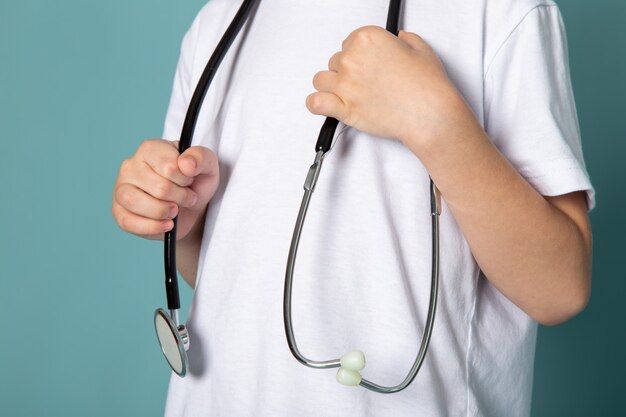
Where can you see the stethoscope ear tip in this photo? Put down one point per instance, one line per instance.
(348, 377)
(351, 363)
(354, 361)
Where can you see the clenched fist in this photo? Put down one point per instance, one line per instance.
(388, 86)
(158, 184)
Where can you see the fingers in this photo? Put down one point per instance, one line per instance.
(158, 184)
(163, 189)
(162, 173)
(326, 101)
(327, 104)
(161, 156)
(143, 204)
(325, 81)
(334, 61)
(364, 35)
(139, 225)
(137, 211)
(202, 164)
(198, 160)
(343, 61)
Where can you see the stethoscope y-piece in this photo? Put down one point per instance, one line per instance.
(173, 336)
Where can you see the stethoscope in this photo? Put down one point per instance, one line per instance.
(173, 336)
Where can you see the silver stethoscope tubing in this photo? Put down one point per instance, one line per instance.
(353, 362)
(173, 336)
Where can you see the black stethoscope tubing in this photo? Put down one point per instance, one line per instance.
(186, 136)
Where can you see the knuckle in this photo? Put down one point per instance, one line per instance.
(190, 198)
(170, 169)
(146, 145)
(125, 196)
(163, 189)
(347, 60)
(366, 34)
(124, 222)
(125, 166)
(362, 34)
(373, 30)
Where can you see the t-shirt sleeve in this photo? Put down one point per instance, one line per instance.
(181, 88)
(530, 113)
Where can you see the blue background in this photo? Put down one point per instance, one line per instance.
(83, 82)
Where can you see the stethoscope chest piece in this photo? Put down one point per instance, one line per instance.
(172, 335)
(174, 341)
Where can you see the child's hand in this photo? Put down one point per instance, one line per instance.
(158, 183)
(385, 85)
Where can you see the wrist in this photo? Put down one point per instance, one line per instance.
(190, 222)
(448, 120)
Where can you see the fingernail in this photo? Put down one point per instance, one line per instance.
(173, 211)
(167, 225)
(194, 199)
(191, 161)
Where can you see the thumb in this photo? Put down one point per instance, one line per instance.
(202, 164)
(412, 39)
(198, 160)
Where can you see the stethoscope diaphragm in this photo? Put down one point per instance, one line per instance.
(174, 341)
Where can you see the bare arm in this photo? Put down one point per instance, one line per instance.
(535, 250)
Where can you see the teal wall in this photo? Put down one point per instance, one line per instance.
(580, 366)
(82, 82)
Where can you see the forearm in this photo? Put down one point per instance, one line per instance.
(530, 250)
(535, 250)
(188, 252)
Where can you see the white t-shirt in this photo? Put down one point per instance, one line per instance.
(362, 278)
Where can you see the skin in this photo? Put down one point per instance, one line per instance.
(536, 250)
(157, 184)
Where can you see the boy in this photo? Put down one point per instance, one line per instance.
(481, 101)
